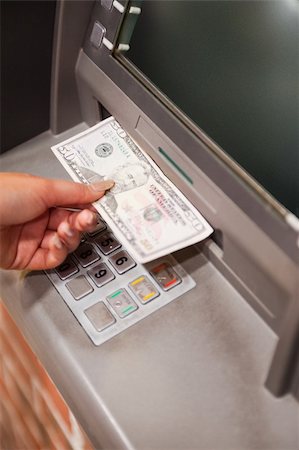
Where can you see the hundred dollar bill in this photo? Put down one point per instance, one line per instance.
(144, 209)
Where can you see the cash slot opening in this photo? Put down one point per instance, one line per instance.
(103, 112)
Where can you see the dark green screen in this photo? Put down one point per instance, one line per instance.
(233, 68)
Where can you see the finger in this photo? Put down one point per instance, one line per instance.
(61, 193)
(48, 258)
(80, 207)
(70, 232)
(69, 236)
(48, 236)
(56, 253)
(40, 194)
(59, 215)
(84, 221)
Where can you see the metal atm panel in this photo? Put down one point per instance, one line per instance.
(193, 373)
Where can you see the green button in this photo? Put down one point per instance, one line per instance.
(122, 303)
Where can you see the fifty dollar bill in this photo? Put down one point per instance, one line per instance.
(144, 209)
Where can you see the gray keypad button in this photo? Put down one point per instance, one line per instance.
(100, 316)
(79, 287)
(122, 303)
(144, 289)
(101, 274)
(86, 254)
(101, 226)
(107, 243)
(67, 269)
(122, 262)
(97, 34)
(107, 4)
(166, 276)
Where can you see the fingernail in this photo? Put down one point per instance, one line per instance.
(102, 185)
(91, 218)
(68, 231)
(57, 242)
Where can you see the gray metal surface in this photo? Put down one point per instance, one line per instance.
(70, 26)
(190, 376)
(267, 273)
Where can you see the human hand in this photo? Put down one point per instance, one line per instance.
(35, 231)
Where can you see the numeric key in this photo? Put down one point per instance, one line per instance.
(86, 254)
(67, 268)
(122, 262)
(107, 243)
(100, 226)
(101, 274)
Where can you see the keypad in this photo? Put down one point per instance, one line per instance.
(108, 291)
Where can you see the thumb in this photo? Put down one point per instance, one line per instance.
(62, 193)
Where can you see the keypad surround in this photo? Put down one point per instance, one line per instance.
(124, 290)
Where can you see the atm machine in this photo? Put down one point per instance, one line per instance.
(210, 91)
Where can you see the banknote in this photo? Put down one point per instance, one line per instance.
(144, 209)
